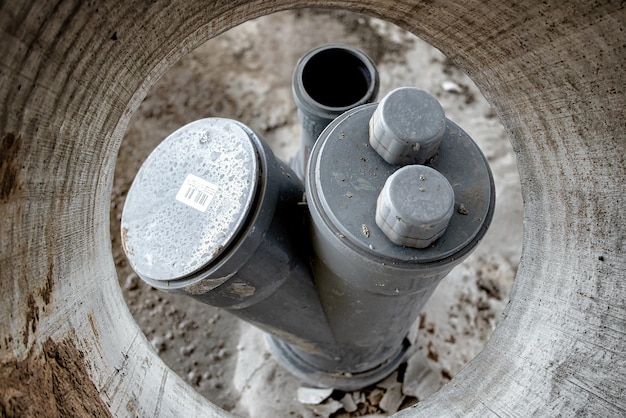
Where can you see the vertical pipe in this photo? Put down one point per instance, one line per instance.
(328, 81)
(371, 288)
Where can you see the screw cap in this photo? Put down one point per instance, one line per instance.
(407, 126)
(415, 206)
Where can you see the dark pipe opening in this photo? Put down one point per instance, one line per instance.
(336, 78)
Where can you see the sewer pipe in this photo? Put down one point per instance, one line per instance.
(213, 215)
(384, 235)
(328, 81)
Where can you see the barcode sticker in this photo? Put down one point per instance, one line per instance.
(196, 192)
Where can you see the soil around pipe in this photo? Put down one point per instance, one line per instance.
(52, 383)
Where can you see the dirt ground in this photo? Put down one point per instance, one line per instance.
(245, 74)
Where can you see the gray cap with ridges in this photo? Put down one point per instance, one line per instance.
(415, 206)
(407, 126)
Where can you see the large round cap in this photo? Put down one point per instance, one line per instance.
(415, 206)
(190, 199)
(407, 126)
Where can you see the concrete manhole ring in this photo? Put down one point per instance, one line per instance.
(73, 74)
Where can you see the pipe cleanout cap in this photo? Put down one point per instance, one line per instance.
(415, 206)
(407, 126)
(190, 199)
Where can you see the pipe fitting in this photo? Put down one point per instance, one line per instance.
(214, 215)
(371, 288)
(407, 126)
(328, 81)
(415, 206)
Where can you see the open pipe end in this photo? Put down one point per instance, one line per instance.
(334, 78)
(328, 81)
(337, 77)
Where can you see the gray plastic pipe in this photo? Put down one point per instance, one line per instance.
(385, 234)
(213, 215)
(328, 81)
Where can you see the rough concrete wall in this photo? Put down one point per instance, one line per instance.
(72, 74)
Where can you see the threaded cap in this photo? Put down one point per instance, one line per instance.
(407, 126)
(415, 206)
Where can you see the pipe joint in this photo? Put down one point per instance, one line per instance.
(396, 196)
(328, 81)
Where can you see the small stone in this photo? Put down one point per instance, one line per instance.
(132, 282)
(194, 378)
(375, 396)
(187, 350)
(389, 382)
(420, 380)
(327, 408)
(359, 397)
(313, 396)
(186, 324)
(451, 87)
(348, 403)
(392, 399)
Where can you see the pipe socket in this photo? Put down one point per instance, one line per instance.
(327, 81)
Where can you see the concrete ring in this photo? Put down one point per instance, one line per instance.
(73, 73)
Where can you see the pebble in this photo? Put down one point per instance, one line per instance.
(451, 87)
(313, 396)
(326, 409)
(348, 403)
(392, 399)
(420, 380)
(187, 350)
(183, 325)
(132, 282)
(194, 378)
(375, 396)
(389, 382)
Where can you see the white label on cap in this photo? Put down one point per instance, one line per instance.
(196, 192)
